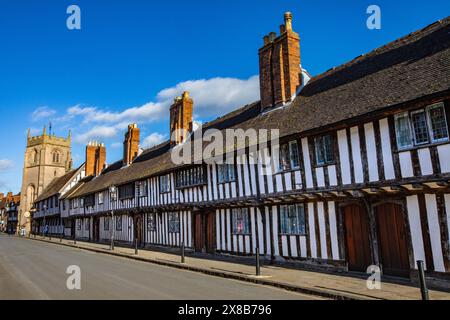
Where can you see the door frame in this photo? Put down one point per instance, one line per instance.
(204, 215)
(406, 225)
(362, 202)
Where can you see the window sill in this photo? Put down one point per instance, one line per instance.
(224, 182)
(241, 234)
(288, 170)
(325, 165)
(294, 234)
(422, 146)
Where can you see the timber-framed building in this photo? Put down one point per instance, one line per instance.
(360, 177)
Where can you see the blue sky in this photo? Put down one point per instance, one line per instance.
(131, 58)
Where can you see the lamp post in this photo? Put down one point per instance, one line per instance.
(112, 197)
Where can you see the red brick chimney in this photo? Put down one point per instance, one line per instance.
(95, 158)
(279, 65)
(131, 144)
(181, 120)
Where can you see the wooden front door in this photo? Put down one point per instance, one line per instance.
(204, 236)
(357, 238)
(198, 229)
(392, 239)
(138, 230)
(96, 235)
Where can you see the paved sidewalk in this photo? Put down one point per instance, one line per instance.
(309, 282)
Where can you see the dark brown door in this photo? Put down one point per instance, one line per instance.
(198, 232)
(138, 230)
(205, 239)
(96, 236)
(357, 238)
(210, 233)
(392, 239)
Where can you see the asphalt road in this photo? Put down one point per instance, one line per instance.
(37, 271)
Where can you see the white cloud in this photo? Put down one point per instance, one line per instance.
(153, 139)
(96, 133)
(216, 96)
(212, 97)
(6, 164)
(41, 113)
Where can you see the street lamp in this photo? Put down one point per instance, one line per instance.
(112, 197)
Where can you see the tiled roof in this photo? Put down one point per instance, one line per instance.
(409, 68)
(56, 185)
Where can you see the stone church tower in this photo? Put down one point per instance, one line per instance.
(47, 157)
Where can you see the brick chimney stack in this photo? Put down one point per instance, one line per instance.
(181, 120)
(95, 158)
(131, 144)
(279, 65)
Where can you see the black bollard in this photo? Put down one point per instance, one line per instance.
(183, 253)
(423, 283)
(60, 239)
(136, 247)
(258, 263)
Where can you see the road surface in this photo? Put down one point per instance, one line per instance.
(37, 271)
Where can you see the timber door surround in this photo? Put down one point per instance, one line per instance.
(204, 232)
(356, 236)
(392, 238)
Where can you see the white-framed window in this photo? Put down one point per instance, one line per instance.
(241, 221)
(324, 150)
(141, 188)
(118, 223)
(151, 222)
(164, 183)
(289, 156)
(79, 224)
(292, 219)
(420, 127)
(226, 172)
(86, 224)
(403, 130)
(101, 198)
(437, 122)
(174, 222)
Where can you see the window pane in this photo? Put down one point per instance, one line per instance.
(320, 155)
(284, 219)
(328, 145)
(301, 219)
(295, 163)
(284, 157)
(420, 127)
(231, 172)
(403, 131)
(438, 124)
